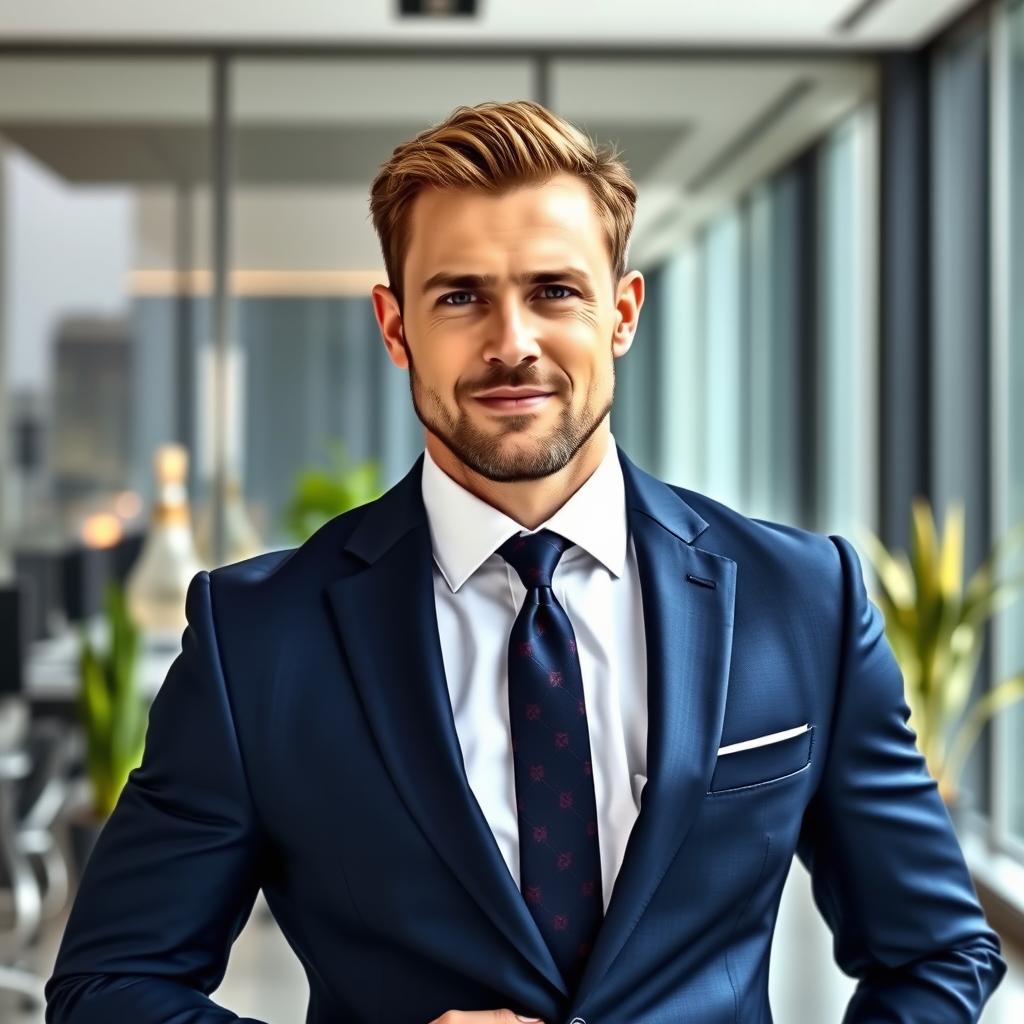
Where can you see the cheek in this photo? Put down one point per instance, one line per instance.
(591, 376)
(437, 371)
(602, 381)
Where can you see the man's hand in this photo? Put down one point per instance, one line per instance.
(481, 1017)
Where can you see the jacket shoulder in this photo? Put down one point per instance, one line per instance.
(770, 543)
(282, 576)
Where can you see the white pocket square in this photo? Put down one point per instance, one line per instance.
(760, 741)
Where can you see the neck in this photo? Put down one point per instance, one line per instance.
(528, 502)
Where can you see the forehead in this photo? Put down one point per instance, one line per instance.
(464, 229)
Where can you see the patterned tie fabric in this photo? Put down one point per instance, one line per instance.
(560, 859)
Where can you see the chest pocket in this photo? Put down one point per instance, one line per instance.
(765, 760)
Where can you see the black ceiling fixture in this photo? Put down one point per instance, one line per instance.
(437, 8)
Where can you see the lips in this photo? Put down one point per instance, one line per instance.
(514, 393)
(517, 403)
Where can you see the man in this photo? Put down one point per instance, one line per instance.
(535, 733)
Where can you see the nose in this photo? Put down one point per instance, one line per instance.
(512, 336)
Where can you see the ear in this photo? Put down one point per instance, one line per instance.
(629, 298)
(389, 319)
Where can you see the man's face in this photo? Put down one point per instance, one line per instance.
(510, 292)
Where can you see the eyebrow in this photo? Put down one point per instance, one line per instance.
(470, 281)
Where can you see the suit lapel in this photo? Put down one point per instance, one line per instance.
(688, 631)
(387, 624)
(387, 620)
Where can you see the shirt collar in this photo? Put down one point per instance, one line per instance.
(465, 530)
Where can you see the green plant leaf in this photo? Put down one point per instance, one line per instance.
(951, 557)
(923, 551)
(109, 703)
(986, 603)
(982, 580)
(934, 626)
(1000, 696)
(895, 578)
(318, 494)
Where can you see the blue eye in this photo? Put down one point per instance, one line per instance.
(565, 288)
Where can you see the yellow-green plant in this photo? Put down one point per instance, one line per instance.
(936, 630)
(110, 708)
(320, 495)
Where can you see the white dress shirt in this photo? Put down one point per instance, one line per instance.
(478, 596)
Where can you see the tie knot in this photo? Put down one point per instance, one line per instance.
(535, 556)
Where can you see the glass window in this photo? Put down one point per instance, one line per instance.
(959, 369)
(722, 302)
(777, 289)
(104, 167)
(846, 464)
(680, 361)
(637, 409)
(1011, 442)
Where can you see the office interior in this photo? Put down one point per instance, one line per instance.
(830, 224)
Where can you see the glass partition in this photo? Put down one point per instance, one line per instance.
(104, 166)
(104, 193)
(1011, 440)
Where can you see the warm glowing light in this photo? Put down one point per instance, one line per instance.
(101, 530)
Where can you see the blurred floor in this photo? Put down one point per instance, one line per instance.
(264, 979)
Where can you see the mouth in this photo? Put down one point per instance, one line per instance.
(522, 404)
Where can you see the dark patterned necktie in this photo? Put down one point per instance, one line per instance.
(559, 855)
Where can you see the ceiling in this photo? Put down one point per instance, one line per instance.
(309, 134)
(701, 97)
(843, 24)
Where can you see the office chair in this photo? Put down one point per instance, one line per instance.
(34, 757)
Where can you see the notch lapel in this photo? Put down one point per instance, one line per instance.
(387, 623)
(688, 630)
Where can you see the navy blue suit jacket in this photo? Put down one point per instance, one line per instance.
(303, 742)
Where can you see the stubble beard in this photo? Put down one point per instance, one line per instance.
(476, 448)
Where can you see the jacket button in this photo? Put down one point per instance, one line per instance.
(577, 1020)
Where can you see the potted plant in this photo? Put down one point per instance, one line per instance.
(113, 717)
(936, 629)
(320, 495)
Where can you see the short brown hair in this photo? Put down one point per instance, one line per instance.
(493, 147)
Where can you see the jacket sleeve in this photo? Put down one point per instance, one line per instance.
(175, 871)
(887, 872)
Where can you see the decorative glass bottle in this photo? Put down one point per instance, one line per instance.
(159, 580)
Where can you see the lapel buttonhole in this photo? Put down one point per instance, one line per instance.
(700, 579)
